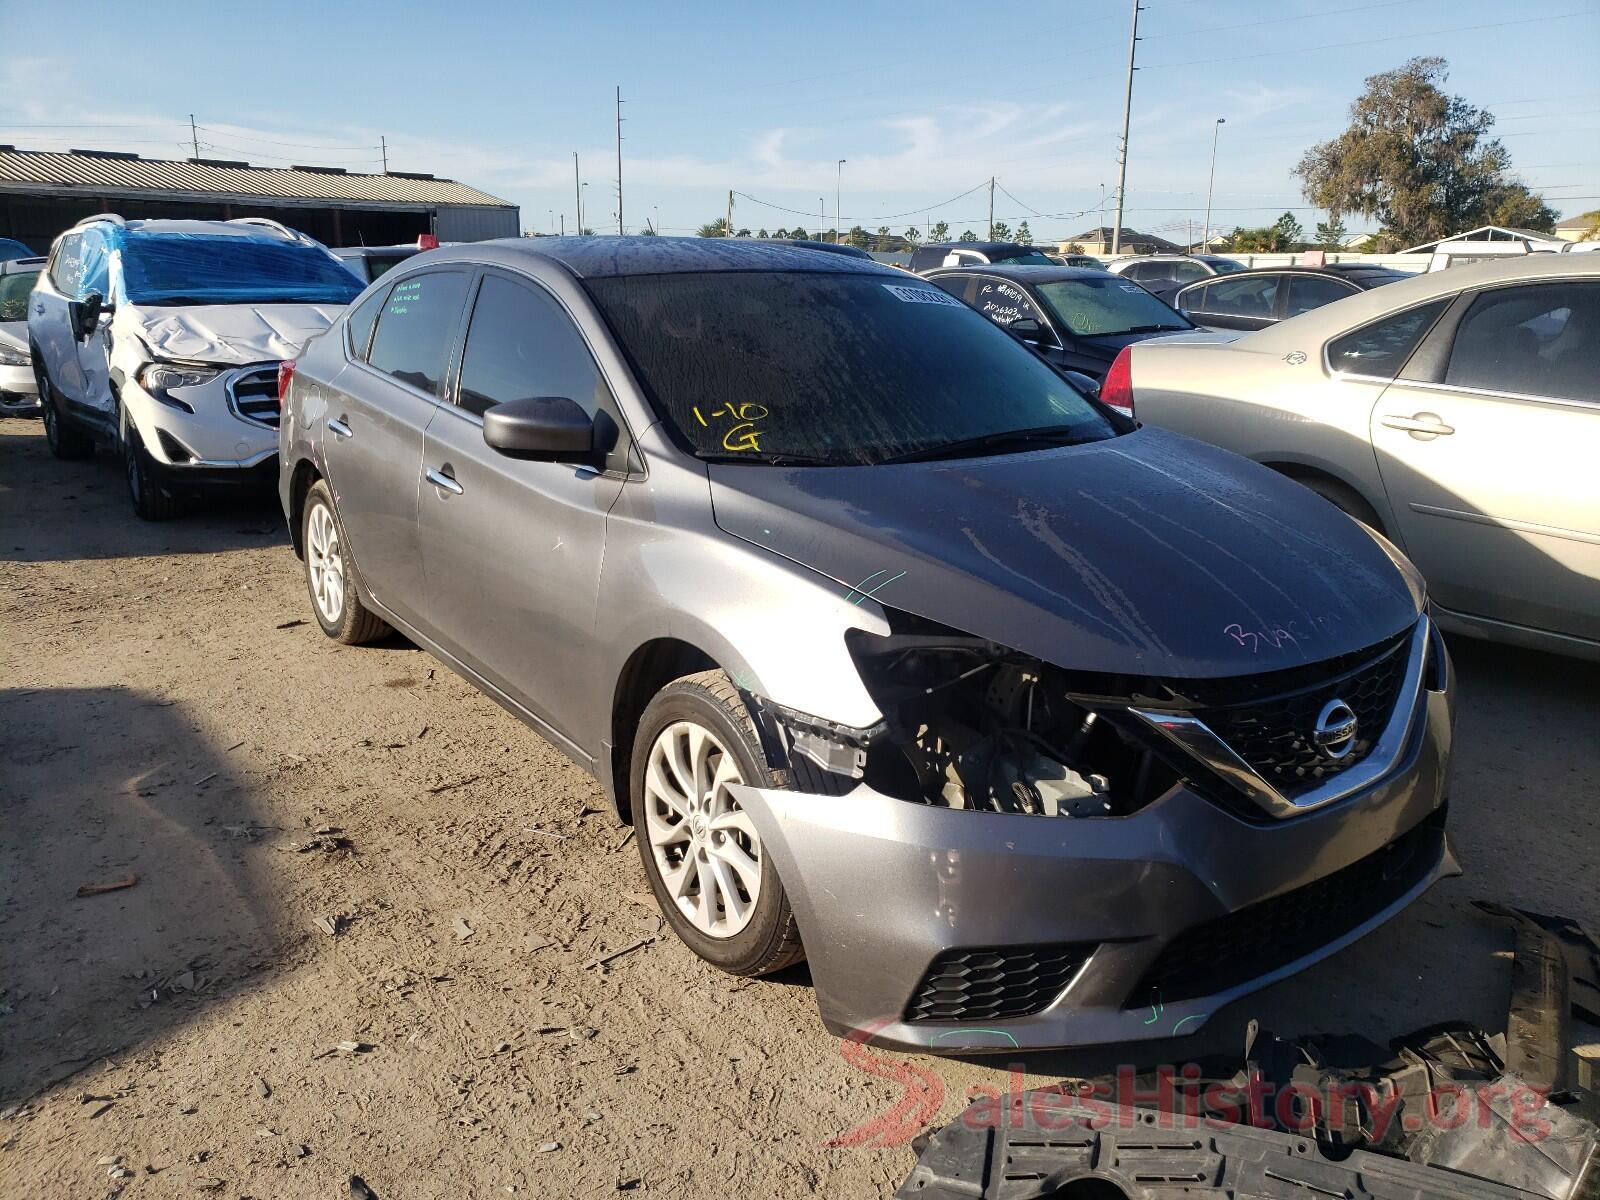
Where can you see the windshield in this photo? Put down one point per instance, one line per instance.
(194, 269)
(831, 369)
(14, 289)
(1097, 305)
(1226, 266)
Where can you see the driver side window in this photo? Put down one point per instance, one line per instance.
(521, 344)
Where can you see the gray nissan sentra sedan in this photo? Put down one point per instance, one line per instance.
(1027, 726)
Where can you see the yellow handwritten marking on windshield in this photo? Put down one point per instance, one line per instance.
(744, 435)
(697, 415)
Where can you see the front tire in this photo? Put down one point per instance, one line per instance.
(147, 489)
(330, 575)
(716, 885)
(65, 442)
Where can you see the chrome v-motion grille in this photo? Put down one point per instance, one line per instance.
(1315, 742)
(254, 395)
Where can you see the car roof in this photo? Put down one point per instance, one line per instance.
(1023, 273)
(403, 249)
(1311, 328)
(611, 257)
(982, 247)
(15, 266)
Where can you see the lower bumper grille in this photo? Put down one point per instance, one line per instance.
(1254, 941)
(1007, 981)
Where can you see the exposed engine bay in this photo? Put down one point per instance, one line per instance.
(971, 724)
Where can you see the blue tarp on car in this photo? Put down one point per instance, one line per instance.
(172, 267)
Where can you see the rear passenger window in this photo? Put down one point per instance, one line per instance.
(1309, 291)
(417, 328)
(1381, 348)
(1185, 272)
(956, 285)
(1244, 297)
(358, 328)
(1538, 340)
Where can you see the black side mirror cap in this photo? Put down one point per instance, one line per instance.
(84, 315)
(543, 428)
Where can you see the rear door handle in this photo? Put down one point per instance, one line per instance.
(1424, 423)
(339, 429)
(440, 480)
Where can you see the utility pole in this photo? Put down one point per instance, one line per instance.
(727, 229)
(619, 160)
(1127, 115)
(577, 191)
(193, 136)
(991, 208)
(838, 191)
(383, 145)
(563, 224)
(1205, 234)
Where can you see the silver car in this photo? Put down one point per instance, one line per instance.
(1456, 412)
(1020, 722)
(19, 391)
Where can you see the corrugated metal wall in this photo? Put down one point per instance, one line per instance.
(466, 223)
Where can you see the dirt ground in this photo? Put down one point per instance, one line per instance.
(352, 846)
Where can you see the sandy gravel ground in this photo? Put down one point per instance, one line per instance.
(352, 847)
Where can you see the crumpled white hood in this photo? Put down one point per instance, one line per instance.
(233, 333)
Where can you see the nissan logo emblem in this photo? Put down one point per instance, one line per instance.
(1335, 733)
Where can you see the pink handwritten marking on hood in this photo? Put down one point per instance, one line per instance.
(234, 333)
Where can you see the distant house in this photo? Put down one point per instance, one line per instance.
(1573, 228)
(1098, 241)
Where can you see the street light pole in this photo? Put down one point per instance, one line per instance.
(577, 189)
(822, 218)
(1205, 231)
(838, 191)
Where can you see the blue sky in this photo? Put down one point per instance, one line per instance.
(924, 101)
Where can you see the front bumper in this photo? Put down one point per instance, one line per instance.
(882, 887)
(19, 390)
(211, 444)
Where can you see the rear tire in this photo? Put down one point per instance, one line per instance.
(64, 441)
(330, 574)
(148, 489)
(700, 850)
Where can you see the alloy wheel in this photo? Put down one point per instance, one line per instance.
(704, 846)
(325, 563)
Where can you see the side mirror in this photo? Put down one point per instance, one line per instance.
(1028, 329)
(84, 315)
(544, 428)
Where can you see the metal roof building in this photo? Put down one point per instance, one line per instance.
(43, 193)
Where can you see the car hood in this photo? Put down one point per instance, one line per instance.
(1147, 554)
(233, 333)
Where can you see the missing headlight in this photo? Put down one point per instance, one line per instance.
(972, 724)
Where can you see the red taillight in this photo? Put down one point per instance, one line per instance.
(427, 241)
(285, 374)
(1117, 388)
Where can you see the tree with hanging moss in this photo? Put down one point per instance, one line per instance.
(1420, 161)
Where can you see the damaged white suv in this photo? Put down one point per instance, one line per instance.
(162, 339)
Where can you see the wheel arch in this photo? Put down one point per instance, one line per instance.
(305, 474)
(1306, 473)
(650, 667)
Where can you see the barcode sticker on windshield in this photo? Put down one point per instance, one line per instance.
(916, 295)
(1131, 288)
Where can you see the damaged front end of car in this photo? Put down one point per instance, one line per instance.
(1016, 853)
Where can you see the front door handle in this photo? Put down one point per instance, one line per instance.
(440, 480)
(1422, 425)
(339, 429)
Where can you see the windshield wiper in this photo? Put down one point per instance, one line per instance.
(773, 459)
(1045, 435)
